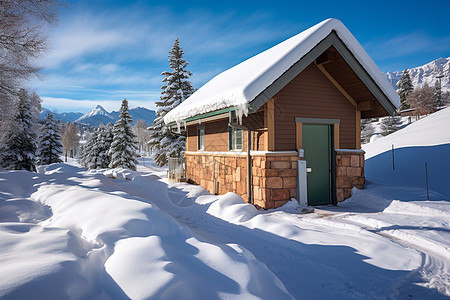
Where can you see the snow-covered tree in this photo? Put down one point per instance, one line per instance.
(18, 151)
(367, 130)
(176, 89)
(390, 125)
(70, 139)
(95, 153)
(142, 134)
(50, 146)
(22, 40)
(86, 157)
(437, 97)
(101, 148)
(123, 147)
(405, 87)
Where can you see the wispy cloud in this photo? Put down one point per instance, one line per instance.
(96, 54)
(407, 44)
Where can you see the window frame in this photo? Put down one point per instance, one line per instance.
(200, 141)
(232, 139)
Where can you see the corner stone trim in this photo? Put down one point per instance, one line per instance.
(349, 172)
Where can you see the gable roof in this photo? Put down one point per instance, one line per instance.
(251, 83)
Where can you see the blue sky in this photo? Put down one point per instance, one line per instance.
(103, 51)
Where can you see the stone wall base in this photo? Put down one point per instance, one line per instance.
(274, 175)
(349, 172)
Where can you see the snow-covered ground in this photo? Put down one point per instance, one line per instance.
(67, 233)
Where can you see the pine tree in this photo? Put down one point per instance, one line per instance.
(367, 130)
(390, 125)
(176, 89)
(405, 87)
(50, 145)
(437, 97)
(124, 145)
(18, 153)
(86, 157)
(100, 152)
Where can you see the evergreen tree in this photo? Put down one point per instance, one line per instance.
(18, 152)
(50, 145)
(367, 130)
(390, 125)
(176, 89)
(100, 157)
(437, 97)
(405, 87)
(86, 157)
(124, 145)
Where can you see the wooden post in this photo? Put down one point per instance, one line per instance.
(358, 129)
(270, 125)
(336, 136)
(298, 134)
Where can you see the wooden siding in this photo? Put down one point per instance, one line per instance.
(191, 139)
(216, 135)
(312, 95)
(351, 83)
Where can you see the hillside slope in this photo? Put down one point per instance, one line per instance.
(425, 141)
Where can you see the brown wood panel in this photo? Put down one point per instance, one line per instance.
(191, 139)
(348, 79)
(312, 95)
(216, 135)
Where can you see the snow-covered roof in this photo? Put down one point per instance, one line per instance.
(238, 86)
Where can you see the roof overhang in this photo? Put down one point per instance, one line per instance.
(331, 40)
(207, 117)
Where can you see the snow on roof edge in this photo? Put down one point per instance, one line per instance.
(240, 84)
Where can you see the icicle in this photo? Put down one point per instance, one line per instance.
(184, 122)
(241, 110)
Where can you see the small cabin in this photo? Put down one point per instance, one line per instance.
(286, 123)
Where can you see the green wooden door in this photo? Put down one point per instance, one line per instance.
(317, 146)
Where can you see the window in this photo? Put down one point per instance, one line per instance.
(201, 137)
(235, 138)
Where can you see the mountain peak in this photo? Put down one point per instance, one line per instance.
(427, 73)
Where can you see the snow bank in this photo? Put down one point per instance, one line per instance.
(428, 131)
(98, 241)
(424, 141)
(237, 86)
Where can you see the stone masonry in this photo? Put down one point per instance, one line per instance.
(274, 175)
(349, 172)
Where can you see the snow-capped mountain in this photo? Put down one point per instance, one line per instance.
(99, 115)
(426, 73)
(64, 117)
(97, 111)
(96, 116)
